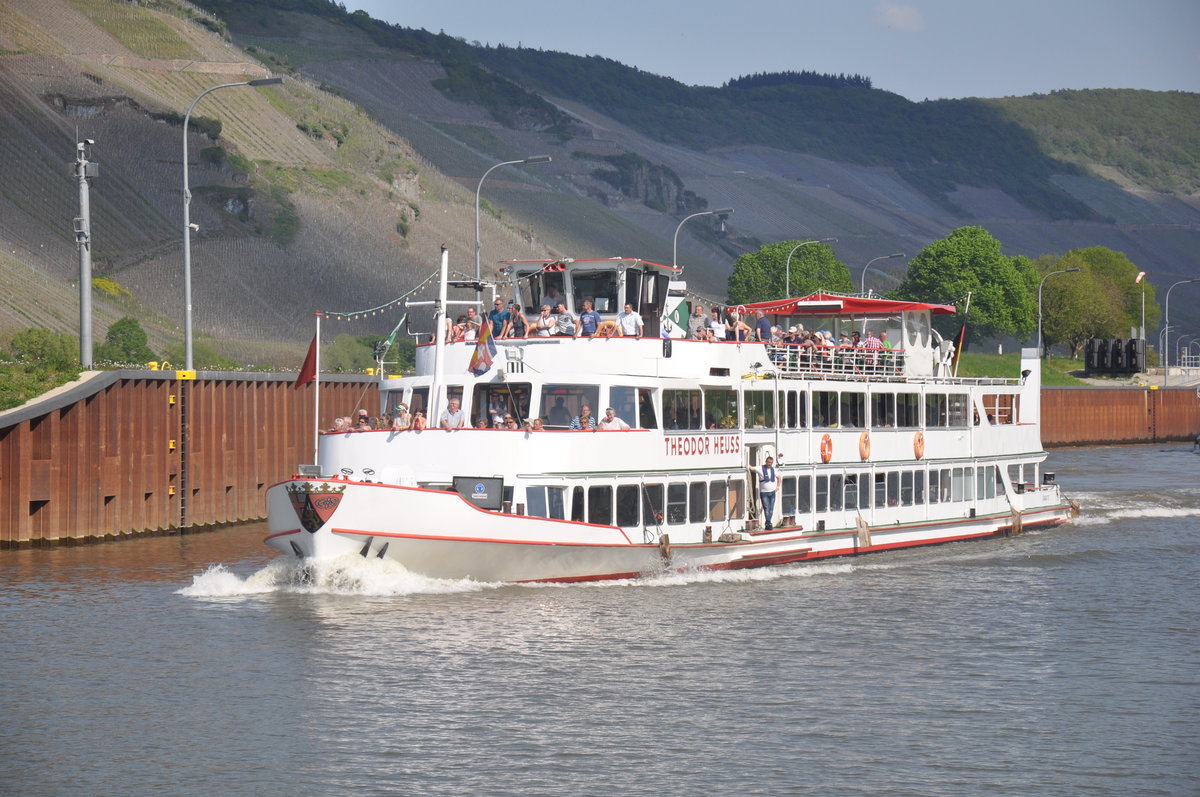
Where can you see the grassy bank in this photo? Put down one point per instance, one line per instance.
(1055, 370)
(20, 382)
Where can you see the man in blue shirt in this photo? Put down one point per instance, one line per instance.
(499, 317)
(762, 327)
(589, 321)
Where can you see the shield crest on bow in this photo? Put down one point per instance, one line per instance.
(314, 506)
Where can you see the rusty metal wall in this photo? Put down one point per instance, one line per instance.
(1083, 415)
(106, 459)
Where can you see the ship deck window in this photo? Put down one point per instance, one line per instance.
(908, 410)
(960, 408)
(720, 408)
(883, 410)
(825, 409)
(600, 505)
(787, 495)
(681, 409)
(737, 498)
(698, 502)
(760, 409)
(624, 401)
(716, 501)
(629, 505)
(545, 501)
(853, 409)
(561, 403)
(936, 413)
(652, 505)
(791, 409)
(676, 504)
(492, 402)
(647, 418)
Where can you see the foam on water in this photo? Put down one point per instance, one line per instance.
(349, 575)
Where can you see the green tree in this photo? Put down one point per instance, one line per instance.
(1117, 272)
(1076, 307)
(1003, 289)
(126, 342)
(763, 275)
(46, 350)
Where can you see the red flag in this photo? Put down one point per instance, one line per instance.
(308, 371)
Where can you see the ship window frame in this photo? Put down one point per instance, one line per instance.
(787, 495)
(547, 504)
(883, 410)
(755, 400)
(572, 391)
(677, 501)
(937, 410)
(625, 406)
(852, 406)
(591, 278)
(724, 401)
(718, 501)
(629, 503)
(599, 506)
(824, 404)
(694, 418)
(647, 415)
(653, 514)
(737, 498)
(697, 502)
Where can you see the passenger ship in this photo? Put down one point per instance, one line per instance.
(875, 449)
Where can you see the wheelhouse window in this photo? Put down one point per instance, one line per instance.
(681, 409)
(720, 407)
(599, 287)
(561, 403)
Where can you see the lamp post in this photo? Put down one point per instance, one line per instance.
(1166, 330)
(675, 242)
(187, 219)
(1040, 284)
(788, 265)
(479, 188)
(863, 288)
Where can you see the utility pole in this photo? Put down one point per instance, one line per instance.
(83, 237)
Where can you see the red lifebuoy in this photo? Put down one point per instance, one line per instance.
(826, 448)
(919, 445)
(864, 446)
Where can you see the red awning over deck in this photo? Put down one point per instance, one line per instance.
(824, 304)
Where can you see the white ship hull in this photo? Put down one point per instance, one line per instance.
(438, 534)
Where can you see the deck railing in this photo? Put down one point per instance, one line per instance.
(839, 362)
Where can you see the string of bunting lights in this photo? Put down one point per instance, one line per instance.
(358, 315)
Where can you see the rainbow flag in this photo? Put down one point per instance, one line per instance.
(485, 350)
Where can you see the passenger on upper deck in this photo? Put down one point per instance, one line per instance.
(629, 323)
(517, 326)
(558, 415)
(610, 421)
(499, 317)
(458, 331)
(545, 323)
(739, 330)
(589, 321)
(339, 425)
(762, 327)
(698, 323)
(564, 323)
(471, 330)
(716, 326)
(364, 423)
(452, 416)
(402, 419)
(584, 421)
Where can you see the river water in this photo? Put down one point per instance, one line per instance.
(1060, 662)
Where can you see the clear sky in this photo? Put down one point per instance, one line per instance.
(922, 49)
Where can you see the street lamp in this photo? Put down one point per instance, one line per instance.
(868, 265)
(1040, 284)
(187, 219)
(1166, 330)
(675, 242)
(479, 188)
(788, 266)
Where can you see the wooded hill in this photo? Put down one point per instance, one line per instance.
(336, 190)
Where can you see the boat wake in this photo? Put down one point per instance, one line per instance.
(350, 575)
(1103, 508)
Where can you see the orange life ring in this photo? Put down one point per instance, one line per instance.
(826, 448)
(919, 445)
(864, 446)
